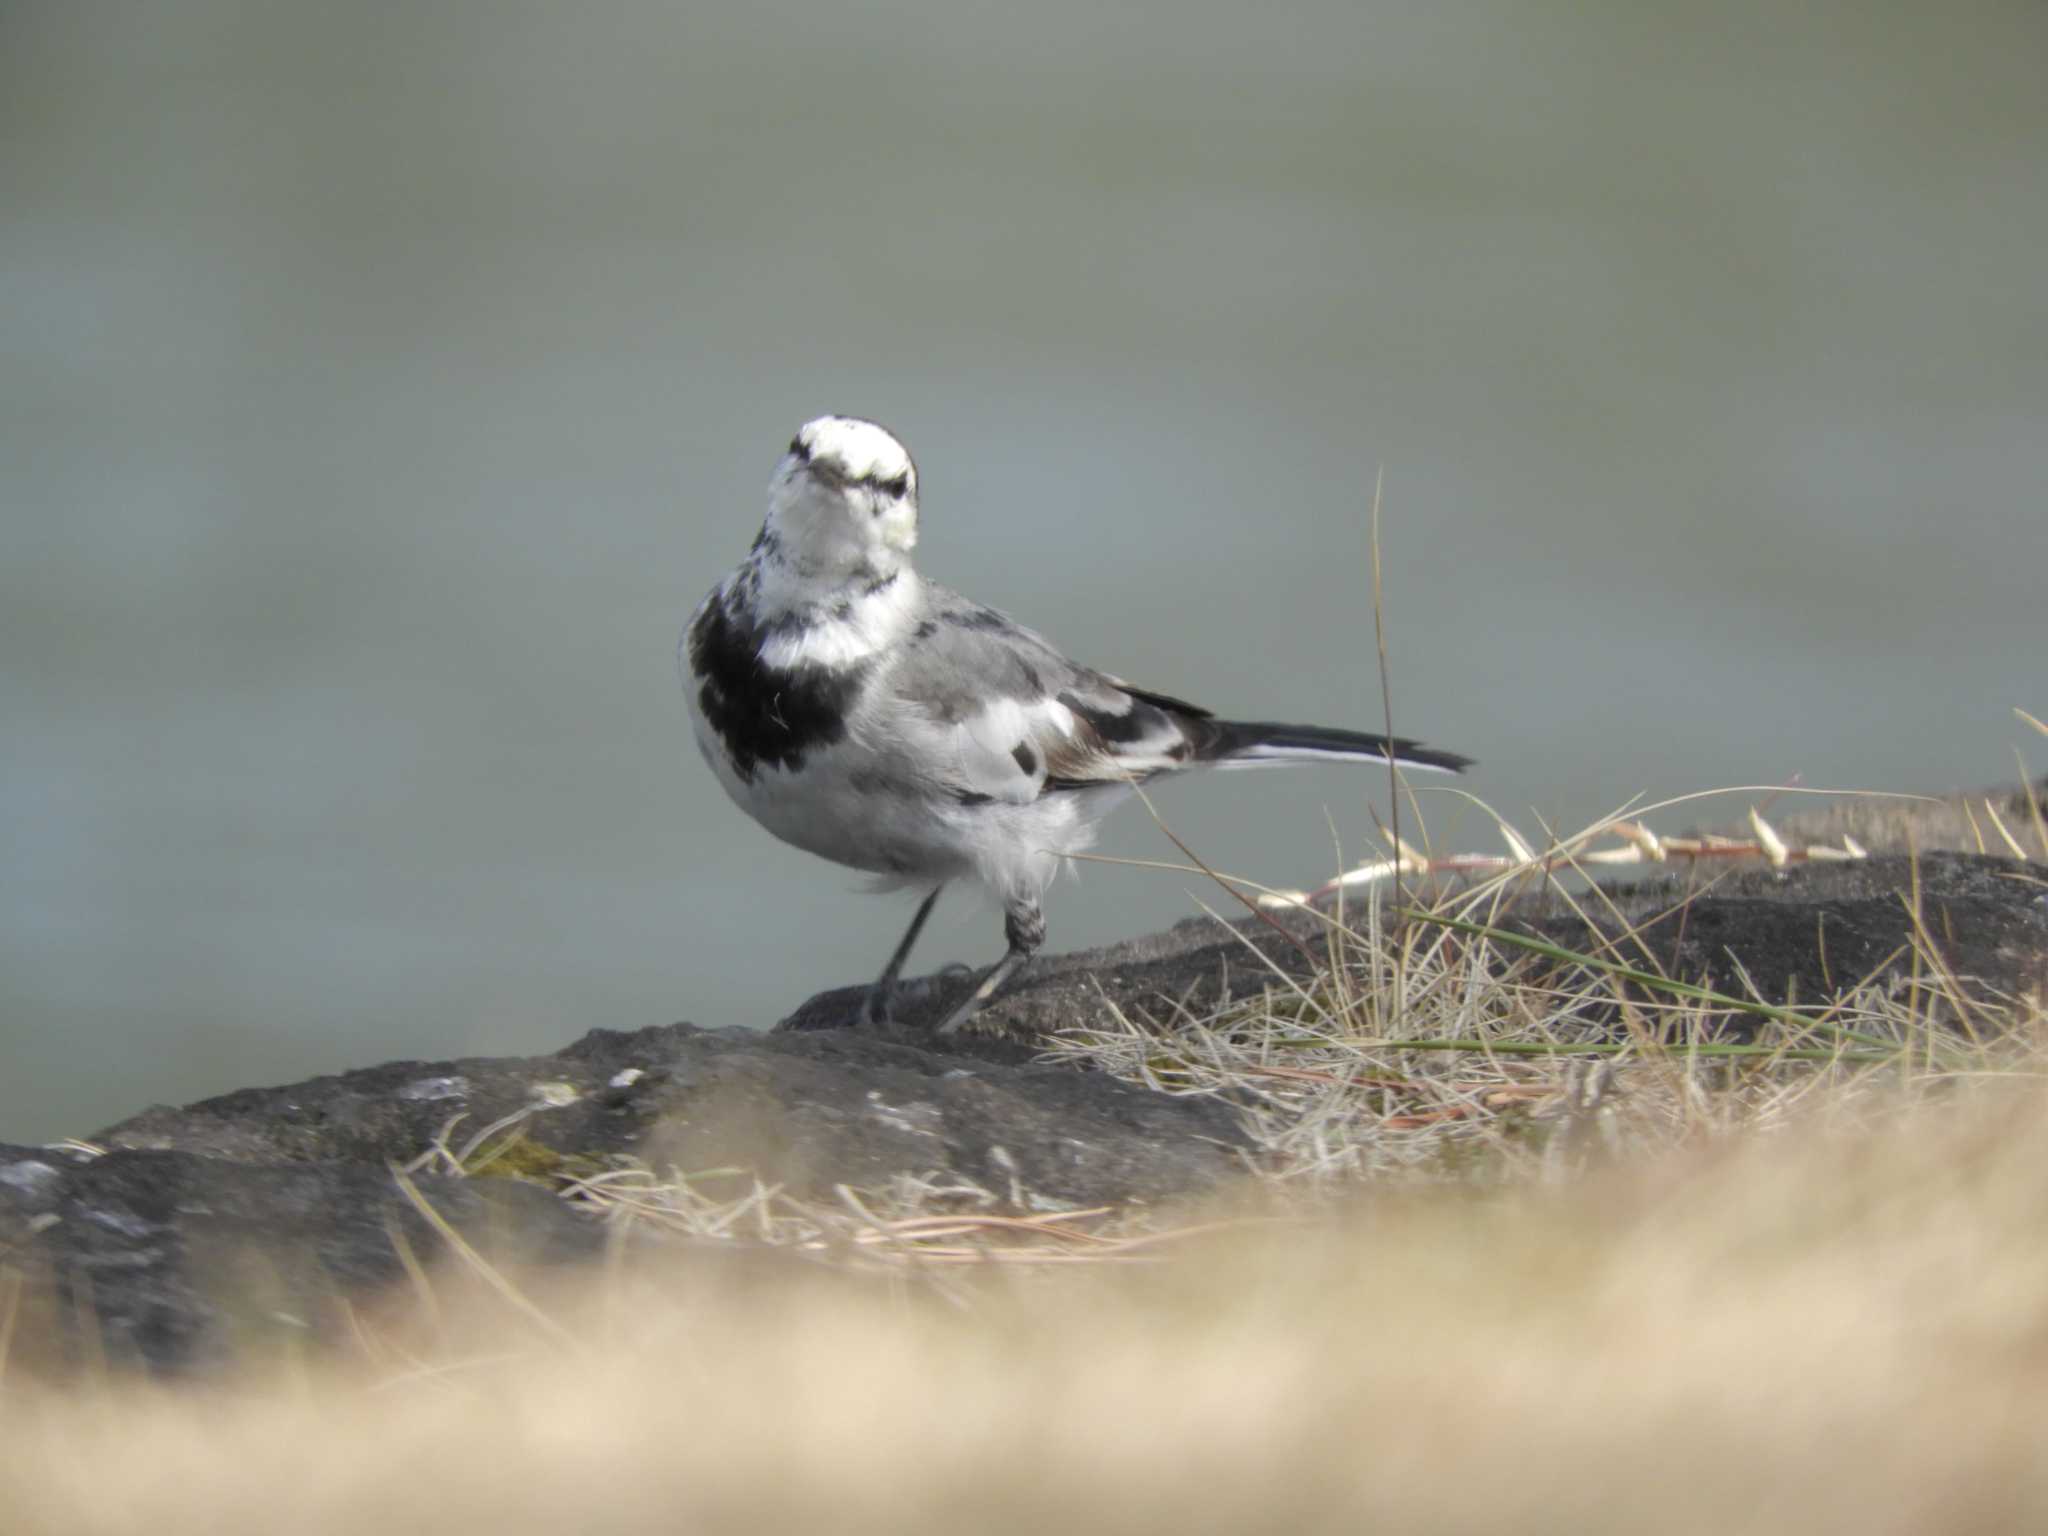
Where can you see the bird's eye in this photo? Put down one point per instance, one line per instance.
(897, 486)
(796, 446)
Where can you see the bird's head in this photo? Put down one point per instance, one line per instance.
(842, 506)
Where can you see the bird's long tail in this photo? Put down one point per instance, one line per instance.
(1250, 743)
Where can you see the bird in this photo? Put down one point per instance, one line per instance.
(883, 722)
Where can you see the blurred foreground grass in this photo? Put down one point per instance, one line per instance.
(1815, 1326)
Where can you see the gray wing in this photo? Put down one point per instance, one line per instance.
(998, 714)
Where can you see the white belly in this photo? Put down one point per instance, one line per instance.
(857, 809)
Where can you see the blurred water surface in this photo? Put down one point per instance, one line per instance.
(381, 384)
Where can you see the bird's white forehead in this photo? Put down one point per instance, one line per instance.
(860, 449)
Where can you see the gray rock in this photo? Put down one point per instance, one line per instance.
(1802, 932)
(808, 1111)
(253, 1214)
(1809, 931)
(244, 1217)
(176, 1261)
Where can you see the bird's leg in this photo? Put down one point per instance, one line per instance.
(876, 1009)
(1025, 928)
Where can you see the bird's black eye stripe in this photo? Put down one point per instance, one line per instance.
(895, 486)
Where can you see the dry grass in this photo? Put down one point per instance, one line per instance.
(1509, 1269)
(1437, 1046)
(1437, 1061)
(1821, 1328)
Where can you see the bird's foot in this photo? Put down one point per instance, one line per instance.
(998, 973)
(876, 1011)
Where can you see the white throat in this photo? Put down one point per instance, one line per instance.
(835, 626)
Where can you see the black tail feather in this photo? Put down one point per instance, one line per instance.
(1250, 740)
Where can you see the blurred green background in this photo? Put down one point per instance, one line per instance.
(382, 383)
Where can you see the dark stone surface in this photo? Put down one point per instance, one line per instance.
(1200, 961)
(1809, 931)
(808, 1111)
(249, 1217)
(1802, 932)
(252, 1215)
(173, 1260)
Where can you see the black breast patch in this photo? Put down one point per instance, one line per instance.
(765, 714)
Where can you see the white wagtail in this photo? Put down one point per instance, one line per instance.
(878, 720)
